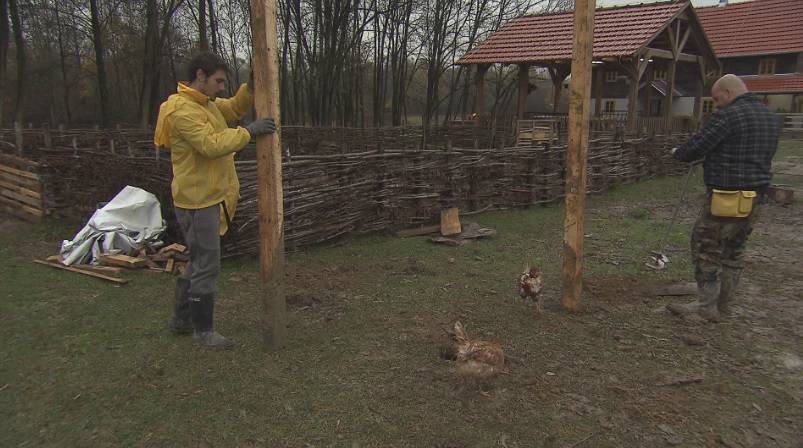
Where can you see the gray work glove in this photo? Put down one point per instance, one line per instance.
(261, 126)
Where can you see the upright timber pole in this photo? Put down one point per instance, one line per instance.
(269, 173)
(576, 153)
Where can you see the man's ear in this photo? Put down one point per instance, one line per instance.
(200, 75)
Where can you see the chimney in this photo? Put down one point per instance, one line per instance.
(723, 3)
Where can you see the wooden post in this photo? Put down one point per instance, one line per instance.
(632, 100)
(670, 82)
(479, 91)
(524, 89)
(18, 140)
(648, 91)
(269, 173)
(599, 77)
(576, 154)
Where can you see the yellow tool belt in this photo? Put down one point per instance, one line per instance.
(732, 203)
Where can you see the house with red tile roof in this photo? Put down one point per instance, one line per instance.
(762, 42)
(646, 58)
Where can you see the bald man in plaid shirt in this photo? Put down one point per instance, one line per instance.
(736, 145)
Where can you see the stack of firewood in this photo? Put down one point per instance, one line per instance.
(172, 259)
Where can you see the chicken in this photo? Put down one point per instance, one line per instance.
(530, 286)
(477, 362)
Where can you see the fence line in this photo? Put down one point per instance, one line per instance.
(347, 180)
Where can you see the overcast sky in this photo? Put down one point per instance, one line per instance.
(696, 3)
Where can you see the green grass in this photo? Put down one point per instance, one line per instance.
(85, 363)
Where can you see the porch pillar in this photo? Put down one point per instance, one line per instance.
(698, 101)
(632, 100)
(670, 88)
(524, 89)
(478, 108)
(599, 77)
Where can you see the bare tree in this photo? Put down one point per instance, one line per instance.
(4, 38)
(19, 43)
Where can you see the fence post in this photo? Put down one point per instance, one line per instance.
(18, 137)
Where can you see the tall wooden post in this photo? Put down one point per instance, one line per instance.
(632, 99)
(479, 91)
(524, 90)
(269, 173)
(599, 78)
(576, 154)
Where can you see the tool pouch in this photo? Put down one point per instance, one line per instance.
(732, 203)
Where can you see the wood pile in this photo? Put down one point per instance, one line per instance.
(171, 259)
(20, 188)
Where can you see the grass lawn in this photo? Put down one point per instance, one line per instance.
(86, 363)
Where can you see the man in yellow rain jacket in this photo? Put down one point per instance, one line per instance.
(193, 125)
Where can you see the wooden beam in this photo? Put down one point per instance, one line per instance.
(698, 101)
(524, 90)
(119, 281)
(269, 173)
(577, 154)
(558, 73)
(666, 54)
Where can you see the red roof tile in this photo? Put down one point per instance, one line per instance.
(618, 31)
(754, 28)
(787, 83)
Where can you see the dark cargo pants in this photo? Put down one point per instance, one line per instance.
(201, 229)
(717, 248)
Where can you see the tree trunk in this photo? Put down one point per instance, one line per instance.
(100, 64)
(4, 38)
(63, 64)
(149, 65)
(204, 41)
(213, 26)
(19, 42)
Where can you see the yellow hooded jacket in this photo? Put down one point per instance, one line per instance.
(202, 147)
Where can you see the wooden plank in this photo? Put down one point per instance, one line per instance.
(577, 154)
(269, 172)
(33, 202)
(123, 261)
(19, 206)
(119, 281)
(14, 211)
(18, 162)
(21, 190)
(20, 173)
(105, 270)
(175, 247)
(418, 231)
(169, 266)
(21, 181)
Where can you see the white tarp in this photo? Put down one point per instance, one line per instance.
(123, 226)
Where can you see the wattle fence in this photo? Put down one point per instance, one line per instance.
(344, 181)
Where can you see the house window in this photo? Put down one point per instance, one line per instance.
(611, 76)
(610, 106)
(659, 75)
(766, 66)
(708, 106)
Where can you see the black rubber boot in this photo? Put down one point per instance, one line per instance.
(202, 309)
(181, 323)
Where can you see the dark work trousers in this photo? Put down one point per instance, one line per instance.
(201, 229)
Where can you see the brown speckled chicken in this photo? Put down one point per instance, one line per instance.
(530, 286)
(477, 362)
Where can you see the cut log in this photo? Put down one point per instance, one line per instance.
(119, 281)
(450, 222)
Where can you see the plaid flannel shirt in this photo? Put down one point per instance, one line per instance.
(738, 143)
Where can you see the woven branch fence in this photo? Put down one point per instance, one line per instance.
(345, 181)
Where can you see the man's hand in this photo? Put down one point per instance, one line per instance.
(261, 126)
(673, 150)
